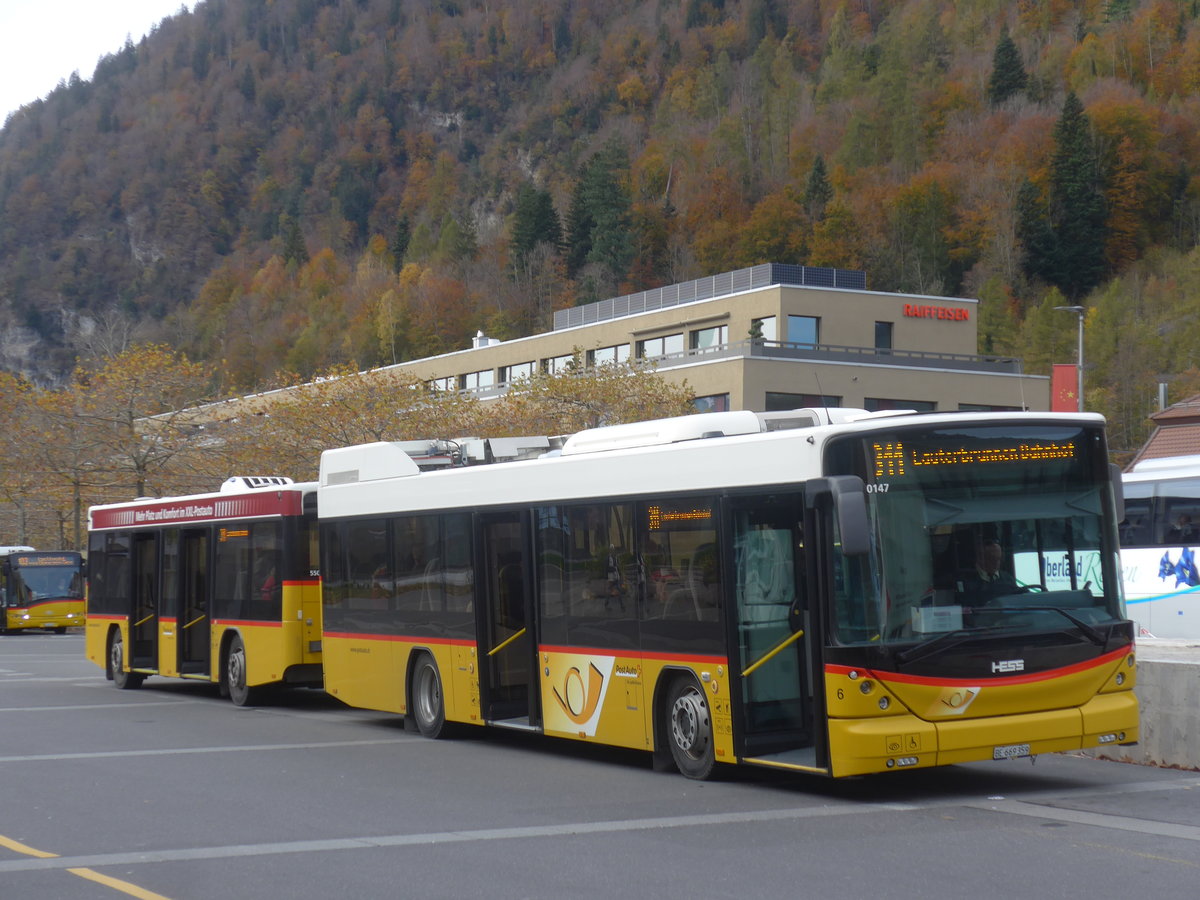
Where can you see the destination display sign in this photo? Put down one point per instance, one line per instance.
(895, 459)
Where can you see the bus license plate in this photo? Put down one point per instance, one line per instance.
(1010, 751)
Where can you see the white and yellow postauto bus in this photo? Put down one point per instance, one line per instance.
(798, 592)
(218, 587)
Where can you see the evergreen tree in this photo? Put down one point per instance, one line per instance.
(399, 244)
(817, 190)
(599, 226)
(534, 221)
(1077, 207)
(294, 248)
(1008, 76)
(579, 230)
(1064, 238)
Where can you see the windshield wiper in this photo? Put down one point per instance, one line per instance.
(1090, 632)
(943, 642)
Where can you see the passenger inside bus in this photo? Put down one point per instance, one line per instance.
(1183, 531)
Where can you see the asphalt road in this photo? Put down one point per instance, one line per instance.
(169, 791)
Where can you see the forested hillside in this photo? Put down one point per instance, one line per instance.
(275, 185)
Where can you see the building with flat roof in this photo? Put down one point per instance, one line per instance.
(765, 338)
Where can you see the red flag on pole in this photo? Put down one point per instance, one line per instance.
(1064, 388)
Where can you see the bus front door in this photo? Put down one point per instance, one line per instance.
(506, 645)
(772, 630)
(194, 623)
(143, 627)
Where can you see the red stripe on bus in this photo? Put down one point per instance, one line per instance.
(245, 622)
(107, 617)
(1049, 675)
(638, 654)
(404, 638)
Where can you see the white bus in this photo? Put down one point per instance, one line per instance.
(1160, 543)
(798, 591)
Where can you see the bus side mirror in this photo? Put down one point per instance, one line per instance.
(1118, 485)
(848, 497)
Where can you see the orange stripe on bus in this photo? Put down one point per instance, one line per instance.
(1049, 675)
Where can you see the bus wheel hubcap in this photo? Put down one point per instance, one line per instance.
(689, 720)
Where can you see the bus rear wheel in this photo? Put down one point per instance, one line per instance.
(689, 729)
(235, 676)
(123, 679)
(428, 703)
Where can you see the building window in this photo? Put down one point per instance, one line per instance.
(710, 338)
(556, 364)
(883, 335)
(475, 380)
(618, 353)
(449, 383)
(804, 330)
(509, 374)
(660, 346)
(778, 401)
(768, 326)
(712, 403)
(874, 404)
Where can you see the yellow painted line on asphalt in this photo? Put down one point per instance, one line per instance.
(90, 874)
(24, 848)
(117, 884)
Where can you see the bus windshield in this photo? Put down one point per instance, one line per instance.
(979, 530)
(44, 578)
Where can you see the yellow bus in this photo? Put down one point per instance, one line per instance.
(41, 589)
(219, 587)
(796, 591)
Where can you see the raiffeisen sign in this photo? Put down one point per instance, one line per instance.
(920, 311)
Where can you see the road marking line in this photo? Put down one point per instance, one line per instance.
(24, 848)
(176, 751)
(133, 705)
(117, 884)
(445, 837)
(1081, 817)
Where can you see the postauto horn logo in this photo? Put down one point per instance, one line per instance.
(580, 696)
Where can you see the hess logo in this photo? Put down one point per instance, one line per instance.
(1002, 666)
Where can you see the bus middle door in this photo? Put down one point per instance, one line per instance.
(506, 645)
(195, 625)
(143, 626)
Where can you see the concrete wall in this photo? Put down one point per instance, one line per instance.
(1168, 691)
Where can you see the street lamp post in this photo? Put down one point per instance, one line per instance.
(1079, 311)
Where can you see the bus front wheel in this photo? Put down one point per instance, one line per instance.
(122, 678)
(235, 676)
(428, 704)
(689, 729)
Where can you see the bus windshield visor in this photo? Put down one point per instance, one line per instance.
(981, 529)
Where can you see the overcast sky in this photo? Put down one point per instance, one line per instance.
(44, 41)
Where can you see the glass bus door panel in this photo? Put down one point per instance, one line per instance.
(771, 625)
(168, 610)
(143, 628)
(194, 627)
(507, 647)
